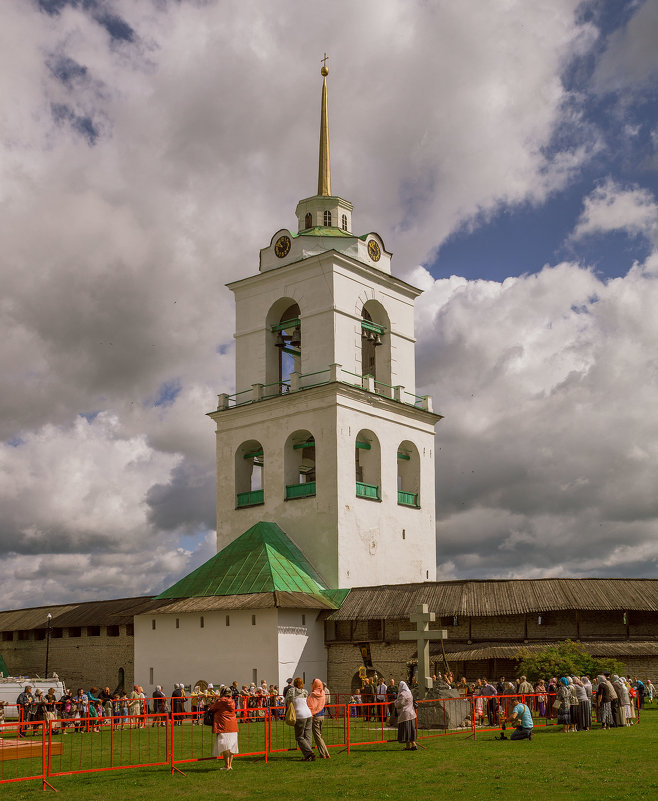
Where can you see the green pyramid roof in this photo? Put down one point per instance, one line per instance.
(263, 559)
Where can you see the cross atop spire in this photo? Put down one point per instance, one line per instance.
(324, 168)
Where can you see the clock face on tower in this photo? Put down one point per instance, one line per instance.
(282, 246)
(373, 250)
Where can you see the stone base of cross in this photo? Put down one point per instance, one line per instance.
(422, 618)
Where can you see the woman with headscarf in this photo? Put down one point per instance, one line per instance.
(564, 711)
(573, 705)
(603, 700)
(404, 705)
(303, 719)
(316, 703)
(225, 727)
(583, 714)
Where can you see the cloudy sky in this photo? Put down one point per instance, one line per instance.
(506, 151)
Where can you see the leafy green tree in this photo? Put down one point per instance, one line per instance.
(566, 658)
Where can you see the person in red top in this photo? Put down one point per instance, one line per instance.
(225, 726)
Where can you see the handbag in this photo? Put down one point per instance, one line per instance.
(208, 717)
(291, 715)
(556, 704)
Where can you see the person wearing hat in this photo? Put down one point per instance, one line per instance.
(25, 702)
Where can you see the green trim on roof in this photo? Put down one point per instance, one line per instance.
(263, 559)
(337, 596)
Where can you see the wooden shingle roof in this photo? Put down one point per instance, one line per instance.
(488, 597)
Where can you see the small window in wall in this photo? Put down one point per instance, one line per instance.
(253, 620)
(304, 677)
(7, 636)
(153, 624)
(308, 220)
(343, 222)
(150, 675)
(112, 631)
(303, 620)
(177, 622)
(327, 219)
(122, 679)
(254, 675)
(24, 635)
(57, 633)
(39, 634)
(93, 631)
(202, 622)
(130, 630)
(75, 631)
(228, 620)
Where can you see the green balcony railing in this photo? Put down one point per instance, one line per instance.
(408, 499)
(300, 490)
(367, 491)
(252, 498)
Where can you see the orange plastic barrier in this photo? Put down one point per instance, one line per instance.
(193, 743)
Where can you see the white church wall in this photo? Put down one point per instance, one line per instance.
(216, 652)
(302, 651)
(381, 541)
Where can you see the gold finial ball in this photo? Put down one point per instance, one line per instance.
(324, 72)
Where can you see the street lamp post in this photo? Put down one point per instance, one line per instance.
(50, 617)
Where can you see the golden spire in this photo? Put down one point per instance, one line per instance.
(324, 169)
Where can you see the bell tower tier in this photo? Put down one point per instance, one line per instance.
(349, 476)
(325, 435)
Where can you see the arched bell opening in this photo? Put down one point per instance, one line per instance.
(408, 461)
(367, 459)
(299, 465)
(376, 346)
(249, 474)
(283, 347)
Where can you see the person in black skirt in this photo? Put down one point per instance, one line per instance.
(404, 704)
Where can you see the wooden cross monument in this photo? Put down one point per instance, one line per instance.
(422, 618)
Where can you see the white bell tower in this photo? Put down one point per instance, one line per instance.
(325, 435)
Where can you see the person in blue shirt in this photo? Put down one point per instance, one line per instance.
(522, 718)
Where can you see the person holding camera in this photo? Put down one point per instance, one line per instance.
(521, 718)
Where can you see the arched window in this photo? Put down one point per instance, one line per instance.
(249, 474)
(308, 220)
(283, 346)
(376, 346)
(408, 475)
(327, 219)
(121, 682)
(343, 222)
(367, 459)
(299, 465)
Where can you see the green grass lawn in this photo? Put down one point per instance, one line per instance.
(597, 765)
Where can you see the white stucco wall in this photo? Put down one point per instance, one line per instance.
(282, 643)
(302, 651)
(216, 653)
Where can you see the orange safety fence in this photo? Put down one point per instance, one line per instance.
(194, 743)
(281, 737)
(368, 725)
(23, 752)
(84, 745)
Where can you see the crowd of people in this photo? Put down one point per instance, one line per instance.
(571, 699)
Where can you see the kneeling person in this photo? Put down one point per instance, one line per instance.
(521, 717)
